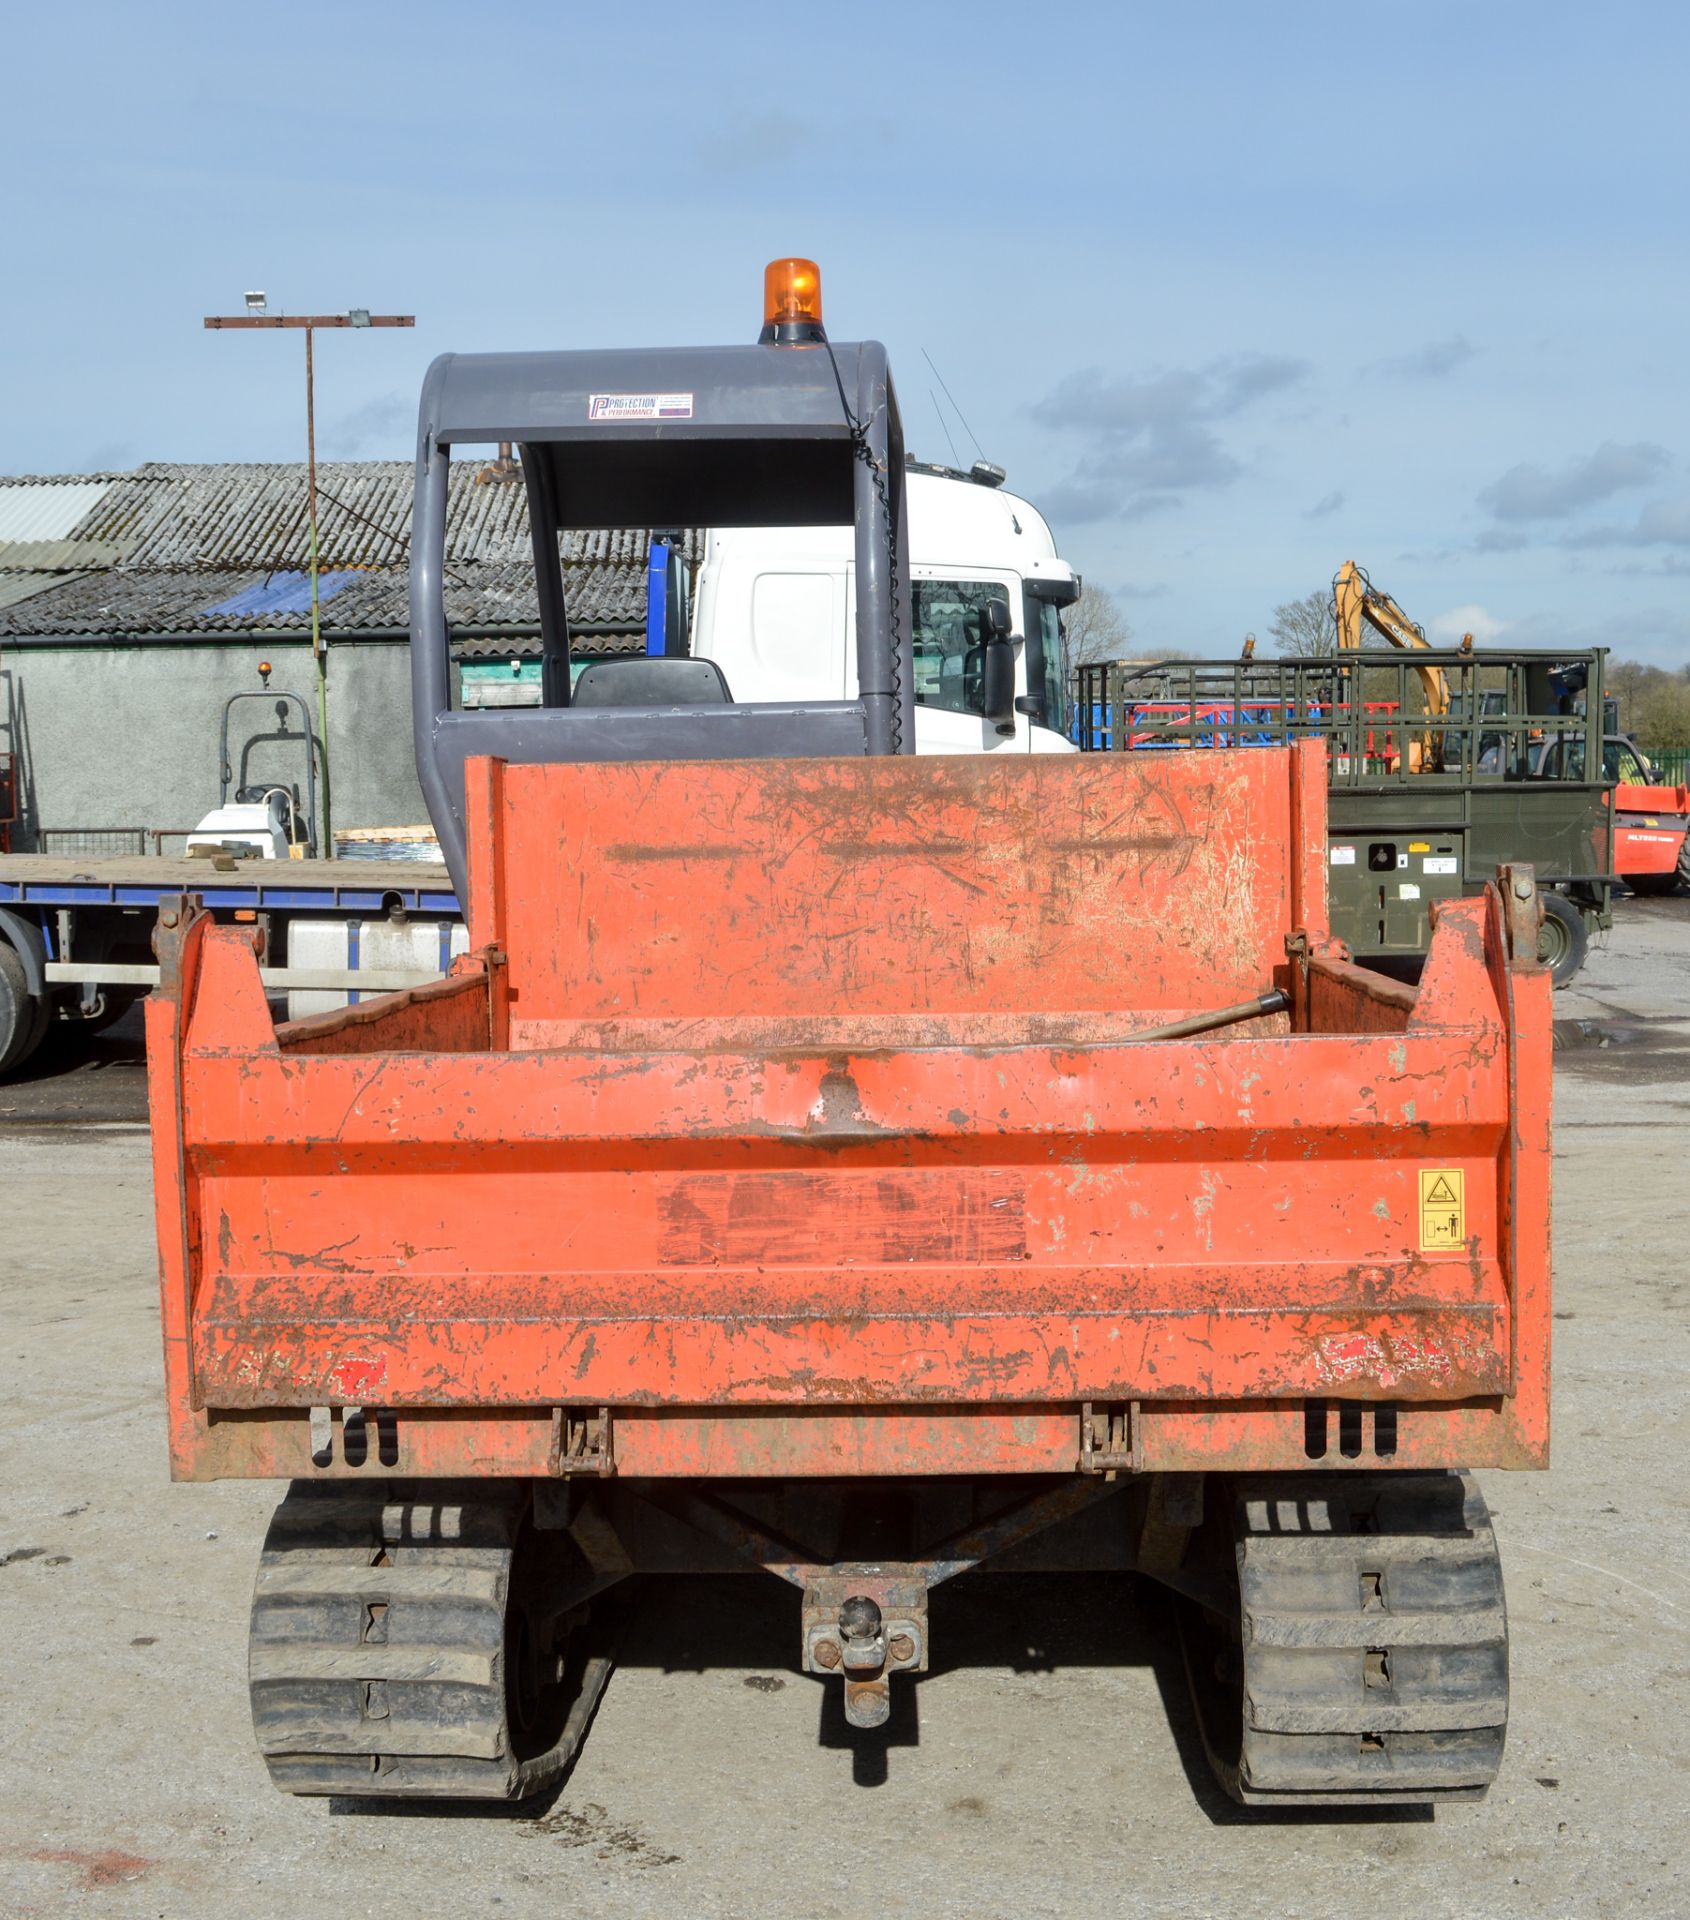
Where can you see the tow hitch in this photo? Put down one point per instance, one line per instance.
(866, 1623)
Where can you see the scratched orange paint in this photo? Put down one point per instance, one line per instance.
(784, 1107)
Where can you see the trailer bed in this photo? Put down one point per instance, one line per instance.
(51, 880)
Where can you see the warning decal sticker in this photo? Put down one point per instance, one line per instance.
(640, 406)
(1443, 1209)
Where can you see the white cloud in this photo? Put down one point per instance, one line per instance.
(1145, 440)
(1543, 493)
(381, 426)
(1662, 523)
(1446, 629)
(1432, 361)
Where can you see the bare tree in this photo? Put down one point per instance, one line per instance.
(1661, 715)
(1094, 630)
(1306, 629)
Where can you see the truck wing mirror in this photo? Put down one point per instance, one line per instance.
(1054, 592)
(998, 675)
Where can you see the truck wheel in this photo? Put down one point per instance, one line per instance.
(1684, 860)
(23, 1018)
(1562, 941)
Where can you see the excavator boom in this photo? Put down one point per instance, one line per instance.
(1355, 600)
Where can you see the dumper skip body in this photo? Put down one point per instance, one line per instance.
(629, 1200)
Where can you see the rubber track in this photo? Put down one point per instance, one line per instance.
(1374, 1642)
(377, 1650)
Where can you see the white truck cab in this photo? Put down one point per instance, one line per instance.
(775, 608)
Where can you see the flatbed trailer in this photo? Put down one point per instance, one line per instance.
(857, 1167)
(76, 932)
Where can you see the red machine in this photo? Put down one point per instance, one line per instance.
(1651, 848)
(867, 1169)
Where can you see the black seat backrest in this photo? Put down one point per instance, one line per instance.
(656, 680)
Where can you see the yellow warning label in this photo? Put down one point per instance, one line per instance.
(1420, 846)
(1443, 1209)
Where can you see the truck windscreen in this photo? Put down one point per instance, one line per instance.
(1044, 662)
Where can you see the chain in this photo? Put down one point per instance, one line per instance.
(877, 478)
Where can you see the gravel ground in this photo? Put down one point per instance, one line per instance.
(1049, 1767)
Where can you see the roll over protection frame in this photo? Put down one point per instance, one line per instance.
(711, 436)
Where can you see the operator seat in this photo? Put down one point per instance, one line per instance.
(652, 680)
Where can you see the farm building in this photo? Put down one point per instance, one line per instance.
(133, 604)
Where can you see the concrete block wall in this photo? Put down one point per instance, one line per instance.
(111, 734)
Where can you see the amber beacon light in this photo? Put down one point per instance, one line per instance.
(792, 304)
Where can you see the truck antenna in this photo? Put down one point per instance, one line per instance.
(937, 375)
(944, 428)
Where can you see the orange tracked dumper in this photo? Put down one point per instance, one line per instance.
(864, 1168)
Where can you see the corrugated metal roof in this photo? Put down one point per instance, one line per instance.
(255, 516)
(19, 586)
(32, 509)
(125, 605)
(221, 548)
(56, 556)
(590, 643)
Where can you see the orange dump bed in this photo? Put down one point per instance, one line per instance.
(790, 1118)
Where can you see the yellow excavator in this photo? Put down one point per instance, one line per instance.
(1355, 601)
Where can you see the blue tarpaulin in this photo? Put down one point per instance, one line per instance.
(288, 592)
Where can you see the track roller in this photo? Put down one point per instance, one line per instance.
(1352, 1647)
(422, 1642)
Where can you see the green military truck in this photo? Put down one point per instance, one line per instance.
(1439, 768)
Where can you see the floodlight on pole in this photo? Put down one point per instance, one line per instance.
(258, 315)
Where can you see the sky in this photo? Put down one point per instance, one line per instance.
(1235, 292)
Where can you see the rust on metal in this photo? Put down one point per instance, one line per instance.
(808, 1122)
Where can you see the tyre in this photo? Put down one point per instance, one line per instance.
(23, 1017)
(1562, 941)
(1684, 860)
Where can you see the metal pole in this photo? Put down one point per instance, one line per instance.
(359, 317)
(318, 653)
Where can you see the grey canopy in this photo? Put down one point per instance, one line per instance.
(643, 437)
